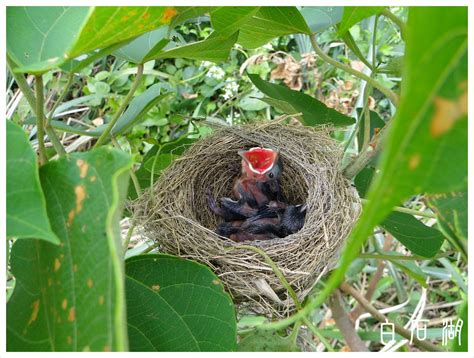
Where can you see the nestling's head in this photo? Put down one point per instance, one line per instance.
(261, 164)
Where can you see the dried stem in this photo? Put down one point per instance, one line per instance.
(344, 324)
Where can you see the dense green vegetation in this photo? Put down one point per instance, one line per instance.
(87, 109)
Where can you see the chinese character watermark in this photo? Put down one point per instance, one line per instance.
(420, 328)
(390, 332)
(451, 331)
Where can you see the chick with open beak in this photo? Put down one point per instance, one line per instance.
(257, 185)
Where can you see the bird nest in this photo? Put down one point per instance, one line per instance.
(175, 213)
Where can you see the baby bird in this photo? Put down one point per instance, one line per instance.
(257, 185)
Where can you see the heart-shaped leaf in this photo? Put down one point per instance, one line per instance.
(353, 14)
(177, 305)
(26, 206)
(70, 297)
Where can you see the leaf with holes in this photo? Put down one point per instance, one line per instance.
(354, 14)
(44, 37)
(71, 297)
(271, 22)
(313, 111)
(26, 206)
(177, 305)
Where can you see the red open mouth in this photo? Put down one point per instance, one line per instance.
(260, 160)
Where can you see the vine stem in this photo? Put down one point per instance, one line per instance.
(401, 209)
(40, 118)
(392, 96)
(397, 21)
(381, 318)
(103, 137)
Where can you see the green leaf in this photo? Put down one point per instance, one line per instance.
(424, 137)
(321, 17)
(177, 305)
(451, 209)
(353, 14)
(215, 48)
(43, 38)
(138, 49)
(227, 20)
(26, 206)
(420, 239)
(266, 341)
(313, 111)
(71, 297)
(270, 22)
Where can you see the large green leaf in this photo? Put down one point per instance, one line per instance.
(26, 206)
(138, 49)
(71, 297)
(420, 239)
(426, 147)
(177, 305)
(215, 48)
(313, 111)
(43, 38)
(319, 18)
(353, 14)
(270, 22)
(227, 20)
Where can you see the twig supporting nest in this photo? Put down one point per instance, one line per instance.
(175, 213)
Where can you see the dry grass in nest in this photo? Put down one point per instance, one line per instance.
(175, 214)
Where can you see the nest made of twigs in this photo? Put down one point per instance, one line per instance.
(175, 213)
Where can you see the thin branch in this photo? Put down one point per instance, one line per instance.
(39, 118)
(396, 20)
(392, 96)
(344, 324)
(104, 136)
(381, 318)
